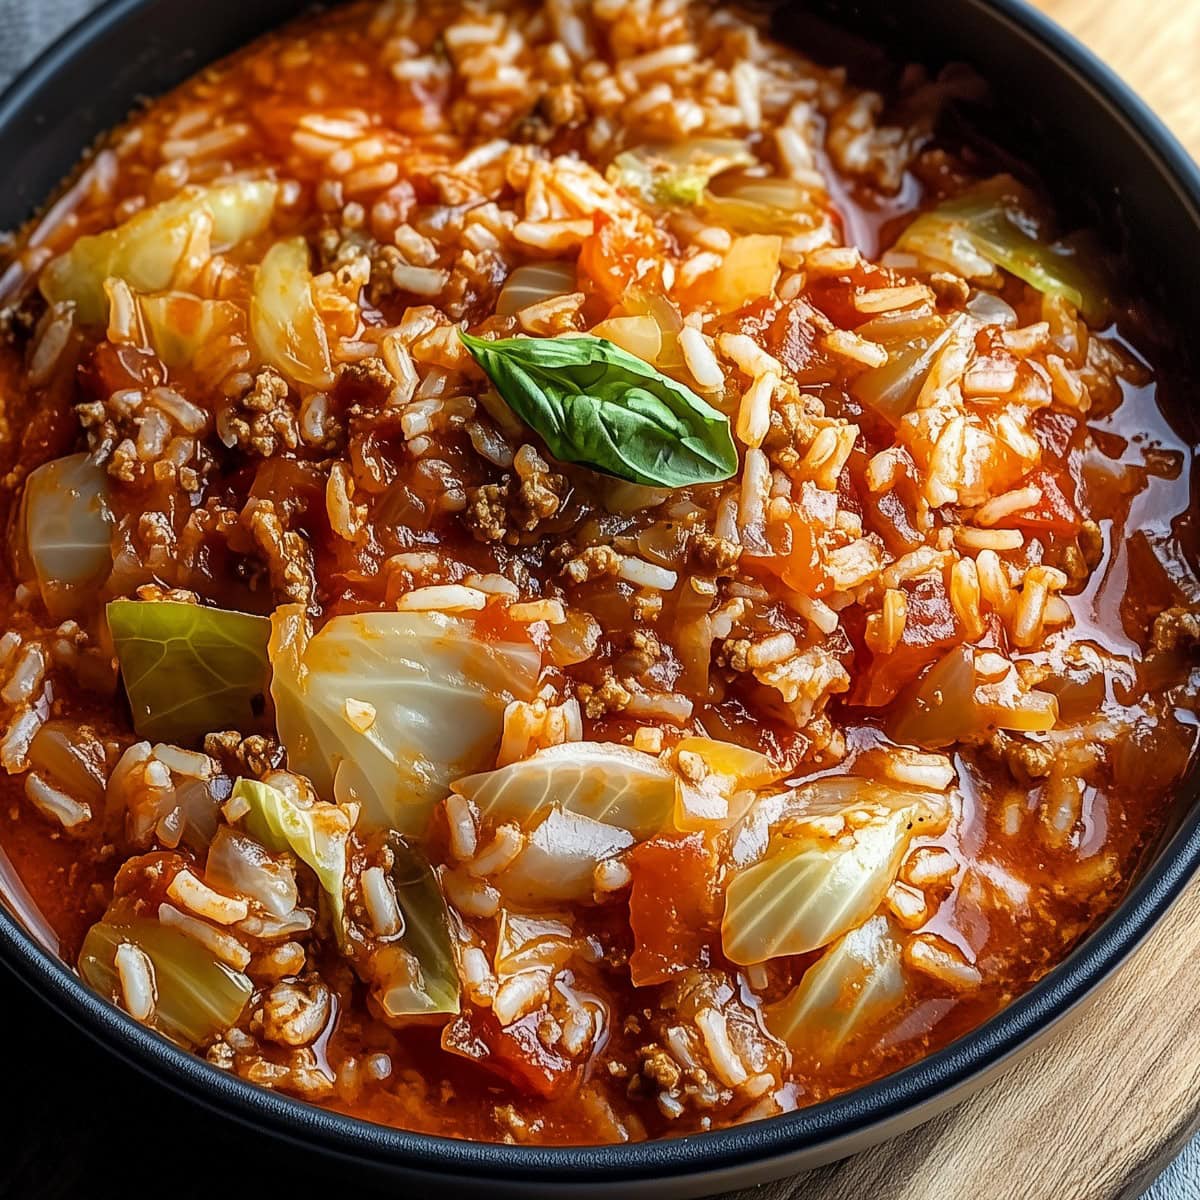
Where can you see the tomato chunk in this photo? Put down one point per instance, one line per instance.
(515, 1052)
(1054, 512)
(672, 907)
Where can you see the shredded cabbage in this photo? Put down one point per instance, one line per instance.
(438, 692)
(147, 250)
(854, 984)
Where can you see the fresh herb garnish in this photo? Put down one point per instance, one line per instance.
(597, 405)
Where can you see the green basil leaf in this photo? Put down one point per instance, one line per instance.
(597, 405)
(190, 670)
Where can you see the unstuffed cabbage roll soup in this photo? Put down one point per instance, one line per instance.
(574, 573)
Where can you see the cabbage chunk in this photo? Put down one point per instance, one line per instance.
(438, 691)
(147, 250)
(677, 173)
(189, 669)
(427, 982)
(196, 997)
(67, 527)
(844, 995)
(602, 781)
(998, 223)
(284, 321)
(179, 325)
(826, 874)
(318, 835)
(560, 858)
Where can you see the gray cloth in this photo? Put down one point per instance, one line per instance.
(26, 26)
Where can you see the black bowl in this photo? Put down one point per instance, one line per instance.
(1105, 152)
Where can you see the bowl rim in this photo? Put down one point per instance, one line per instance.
(851, 1115)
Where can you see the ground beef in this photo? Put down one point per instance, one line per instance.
(1175, 629)
(594, 562)
(254, 755)
(263, 419)
(518, 504)
(610, 696)
(714, 553)
(1026, 761)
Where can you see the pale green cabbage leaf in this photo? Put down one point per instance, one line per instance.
(189, 669)
(599, 780)
(438, 690)
(318, 835)
(147, 250)
(196, 997)
(67, 527)
(858, 981)
(813, 886)
(284, 322)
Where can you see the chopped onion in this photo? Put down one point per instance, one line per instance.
(67, 530)
(239, 863)
(640, 336)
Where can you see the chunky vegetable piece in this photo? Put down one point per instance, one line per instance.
(148, 249)
(597, 780)
(598, 405)
(678, 172)
(434, 693)
(316, 833)
(189, 669)
(287, 328)
(815, 886)
(428, 983)
(997, 223)
(195, 997)
(844, 996)
(68, 528)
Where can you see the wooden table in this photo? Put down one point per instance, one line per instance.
(1093, 1117)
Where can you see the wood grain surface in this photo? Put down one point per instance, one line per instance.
(1097, 1114)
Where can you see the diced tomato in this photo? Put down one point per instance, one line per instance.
(672, 907)
(792, 337)
(929, 628)
(612, 261)
(514, 1052)
(1054, 512)
(798, 565)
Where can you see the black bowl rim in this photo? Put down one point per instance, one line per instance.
(840, 1120)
